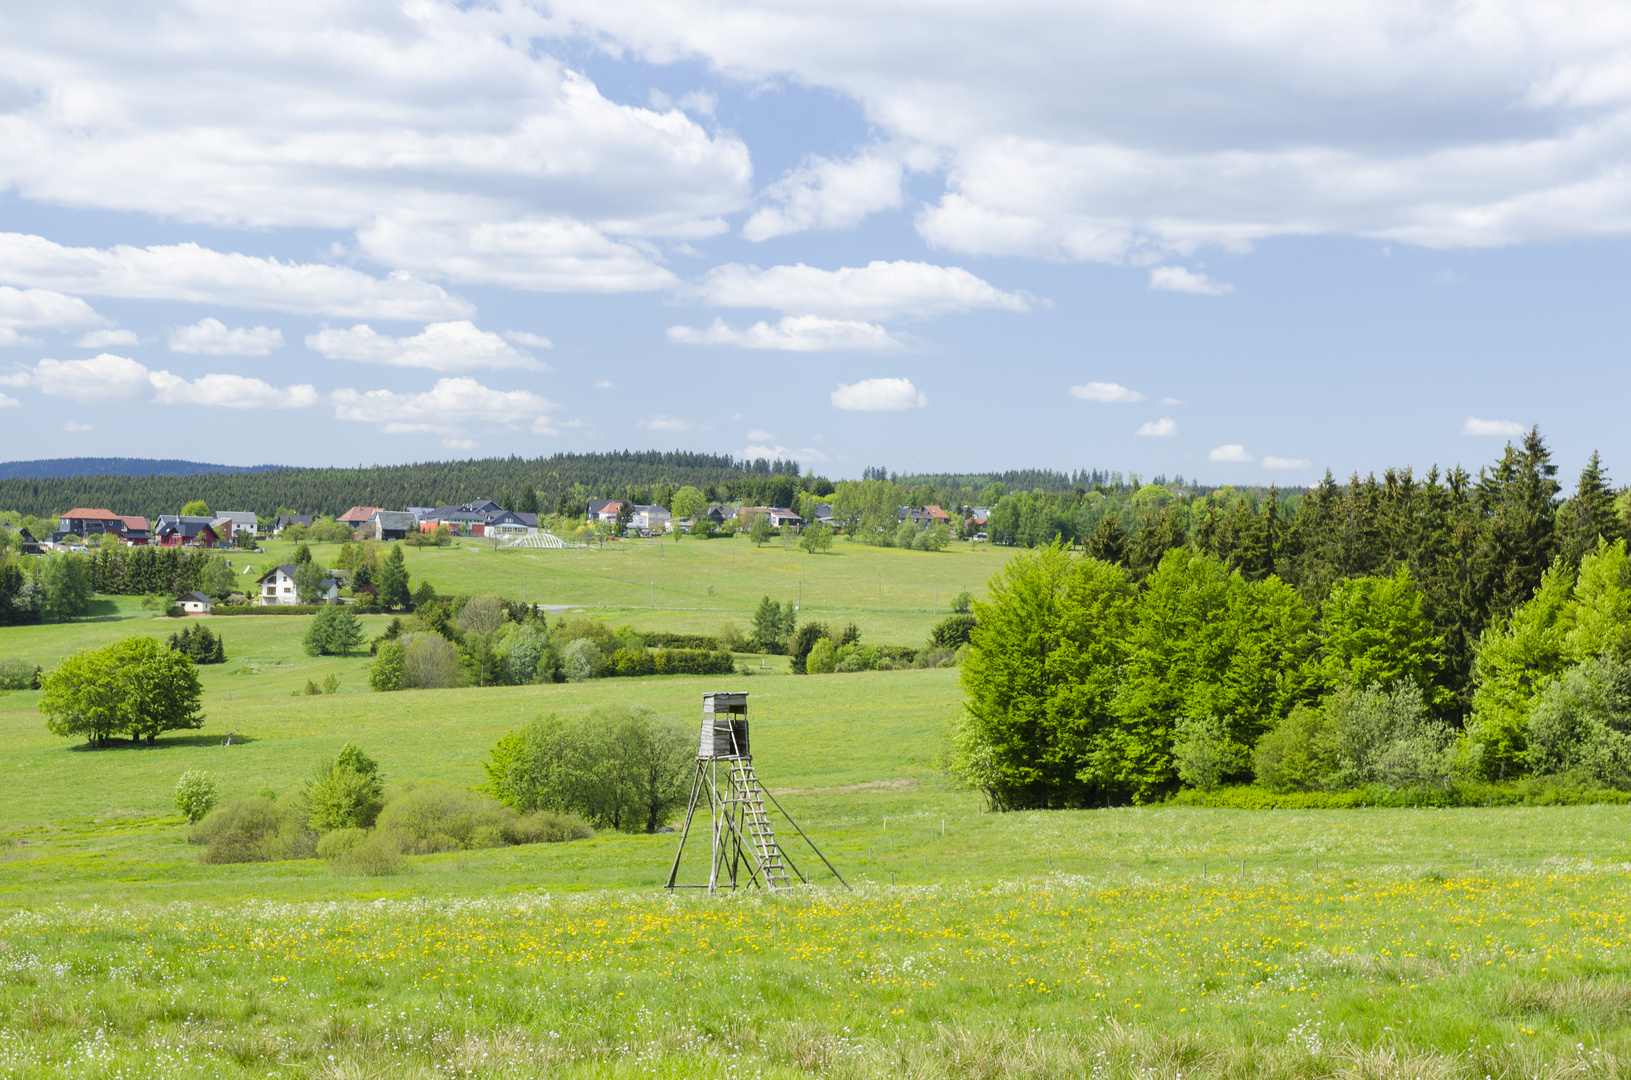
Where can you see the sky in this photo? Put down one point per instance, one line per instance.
(1238, 242)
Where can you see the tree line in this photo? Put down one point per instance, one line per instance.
(1397, 631)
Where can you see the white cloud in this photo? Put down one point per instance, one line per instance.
(105, 377)
(773, 452)
(199, 275)
(1171, 401)
(459, 444)
(74, 426)
(1104, 391)
(443, 410)
(1116, 130)
(1178, 279)
(761, 436)
(605, 384)
(666, 423)
(448, 346)
(878, 290)
(8, 336)
(1230, 452)
(108, 377)
(795, 333)
(1159, 429)
(1510, 429)
(1271, 462)
(32, 309)
(444, 134)
(826, 194)
(531, 340)
(879, 395)
(229, 392)
(211, 337)
(9, 402)
(102, 339)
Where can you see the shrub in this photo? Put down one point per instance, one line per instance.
(429, 662)
(436, 817)
(857, 658)
(19, 675)
(731, 639)
(198, 643)
(546, 827)
(937, 658)
(1290, 756)
(582, 660)
(254, 830)
(823, 658)
(963, 602)
(1386, 737)
(196, 794)
(346, 793)
(379, 855)
(340, 841)
(388, 671)
(1582, 723)
(953, 631)
(605, 641)
(1204, 753)
(633, 662)
(334, 631)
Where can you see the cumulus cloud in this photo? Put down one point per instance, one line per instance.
(605, 384)
(8, 336)
(878, 290)
(199, 275)
(448, 346)
(826, 194)
(101, 339)
(109, 377)
(211, 337)
(1158, 429)
(437, 124)
(660, 422)
(1104, 391)
(531, 340)
(773, 452)
(1178, 279)
(1510, 429)
(1230, 452)
(795, 333)
(32, 309)
(758, 436)
(75, 427)
(8, 402)
(879, 395)
(1271, 462)
(443, 410)
(229, 392)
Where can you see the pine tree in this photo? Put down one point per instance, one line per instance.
(1588, 516)
(393, 580)
(1516, 498)
(529, 500)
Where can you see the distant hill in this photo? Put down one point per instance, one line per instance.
(120, 466)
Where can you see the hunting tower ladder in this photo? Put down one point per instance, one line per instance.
(743, 838)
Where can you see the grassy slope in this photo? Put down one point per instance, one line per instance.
(1046, 943)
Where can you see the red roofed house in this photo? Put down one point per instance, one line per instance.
(936, 516)
(88, 523)
(358, 516)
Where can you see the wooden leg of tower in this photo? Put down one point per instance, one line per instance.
(690, 811)
(718, 852)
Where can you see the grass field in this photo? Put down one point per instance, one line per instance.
(1158, 941)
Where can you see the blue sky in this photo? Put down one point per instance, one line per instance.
(1240, 242)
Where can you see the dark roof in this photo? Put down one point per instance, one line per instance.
(399, 520)
(188, 527)
(197, 597)
(293, 519)
(470, 511)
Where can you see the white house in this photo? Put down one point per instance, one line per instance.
(652, 519)
(242, 521)
(277, 587)
(194, 603)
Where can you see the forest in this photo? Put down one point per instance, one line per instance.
(1403, 632)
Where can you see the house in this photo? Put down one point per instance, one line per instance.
(176, 531)
(137, 531)
(936, 516)
(224, 528)
(194, 603)
(392, 524)
(285, 520)
(824, 513)
(88, 523)
(716, 514)
(357, 516)
(605, 510)
(277, 587)
(480, 518)
(776, 515)
(242, 521)
(509, 522)
(27, 545)
(650, 519)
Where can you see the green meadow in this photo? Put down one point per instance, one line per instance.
(1153, 941)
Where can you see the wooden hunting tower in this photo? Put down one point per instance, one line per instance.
(743, 838)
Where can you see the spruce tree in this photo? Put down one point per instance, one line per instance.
(529, 500)
(393, 580)
(1588, 516)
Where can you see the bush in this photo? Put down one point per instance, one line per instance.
(953, 631)
(346, 793)
(200, 645)
(1204, 753)
(440, 817)
(963, 602)
(1290, 756)
(582, 660)
(1582, 723)
(937, 658)
(545, 827)
(857, 658)
(335, 631)
(730, 638)
(429, 662)
(196, 794)
(19, 675)
(388, 671)
(254, 830)
(823, 658)
(1358, 738)
(340, 841)
(379, 855)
